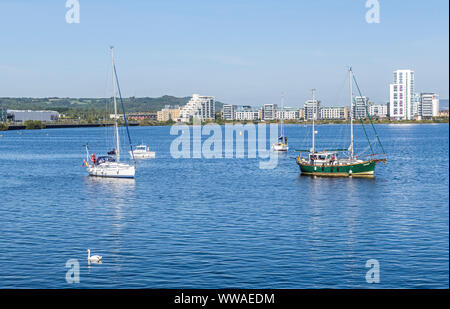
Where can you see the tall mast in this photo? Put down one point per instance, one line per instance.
(351, 112)
(282, 115)
(313, 130)
(116, 125)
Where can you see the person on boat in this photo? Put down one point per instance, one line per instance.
(94, 159)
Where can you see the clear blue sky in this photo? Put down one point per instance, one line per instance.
(241, 52)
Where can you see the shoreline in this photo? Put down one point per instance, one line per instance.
(65, 126)
(96, 125)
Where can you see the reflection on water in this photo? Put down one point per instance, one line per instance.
(120, 187)
(120, 191)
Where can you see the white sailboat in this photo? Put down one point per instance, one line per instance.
(110, 165)
(281, 144)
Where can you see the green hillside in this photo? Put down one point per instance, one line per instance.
(97, 105)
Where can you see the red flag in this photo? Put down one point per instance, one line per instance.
(84, 162)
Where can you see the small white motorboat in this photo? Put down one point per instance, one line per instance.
(142, 152)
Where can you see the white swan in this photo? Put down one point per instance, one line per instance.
(94, 258)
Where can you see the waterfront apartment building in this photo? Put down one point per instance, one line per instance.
(301, 113)
(240, 113)
(416, 105)
(312, 109)
(360, 107)
(378, 110)
(168, 113)
(201, 107)
(228, 112)
(288, 114)
(334, 112)
(401, 95)
(24, 115)
(246, 114)
(269, 112)
(429, 105)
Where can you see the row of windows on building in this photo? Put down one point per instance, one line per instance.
(199, 107)
(311, 109)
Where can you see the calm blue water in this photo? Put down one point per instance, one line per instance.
(218, 223)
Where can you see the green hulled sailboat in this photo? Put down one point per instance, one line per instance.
(340, 162)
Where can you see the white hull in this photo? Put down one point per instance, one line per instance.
(112, 170)
(143, 155)
(280, 147)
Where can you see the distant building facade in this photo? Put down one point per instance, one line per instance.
(246, 114)
(228, 112)
(334, 112)
(429, 105)
(301, 113)
(168, 113)
(378, 110)
(201, 107)
(25, 115)
(288, 114)
(269, 112)
(312, 109)
(401, 95)
(416, 105)
(360, 107)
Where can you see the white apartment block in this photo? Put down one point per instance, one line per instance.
(246, 115)
(228, 111)
(201, 107)
(378, 110)
(269, 112)
(401, 95)
(416, 104)
(288, 114)
(360, 107)
(312, 108)
(334, 112)
(429, 105)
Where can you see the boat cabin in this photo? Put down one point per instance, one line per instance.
(142, 148)
(105, 159)
(324, 157)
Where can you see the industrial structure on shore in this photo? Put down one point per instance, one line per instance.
(13, 115)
